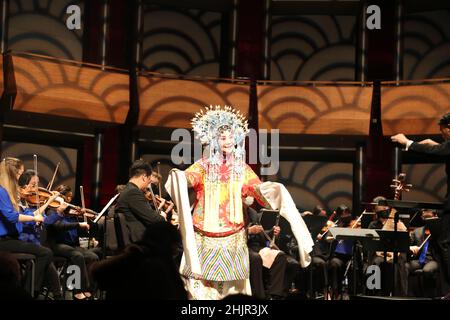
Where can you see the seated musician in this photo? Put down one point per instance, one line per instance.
(400, 289)
(134, 205)
(281, 270)
(341, 254)
(423, 257)
(321, 252)
(62, 237)
(28, 182)
(11, 220)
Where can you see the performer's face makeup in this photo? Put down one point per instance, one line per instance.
(445, 131)
(226, 142)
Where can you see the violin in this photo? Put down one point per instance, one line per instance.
(156, 201)
(42, 195)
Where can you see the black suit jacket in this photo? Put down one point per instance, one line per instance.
(137, 211)
(442, 149)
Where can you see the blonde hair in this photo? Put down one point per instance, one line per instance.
(9, 168)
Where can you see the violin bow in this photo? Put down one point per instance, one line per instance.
(82, 202)
(83, 207)
(37, 184)
(159, 178)
(50, 184)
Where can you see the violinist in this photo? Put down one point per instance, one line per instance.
(133, 203)
(28, 182)
(62, 234)
(423, 255)
(11, 220)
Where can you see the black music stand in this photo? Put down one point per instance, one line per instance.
(102, 213)
(364, 236)
(314, 225)
(367, 218)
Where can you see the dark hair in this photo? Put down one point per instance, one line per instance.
(25, 177)
(445, 120)
(63, 189)
(317, 210)
(140, 167)
(341, 209)
(120, 187)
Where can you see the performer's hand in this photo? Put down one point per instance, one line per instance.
(175, 220)
(255, 229)
(84, 225)
(276, 231)
(62, 207)
(38, 218)
(169, 208)
(414, 249)
(400, 138)
(428, 142)
(161, 205)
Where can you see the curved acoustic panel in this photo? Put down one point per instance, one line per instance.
(311, 183)
(48, 158)
(68, 90)
(189, 46)
(428, 182)
(173, 102)
(319, 109)
(414, 109)
(40, 27)
(313, 47)
(426, 39)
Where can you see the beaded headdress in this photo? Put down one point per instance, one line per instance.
(209, 123)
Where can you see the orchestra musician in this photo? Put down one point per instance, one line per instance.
(281, 270)
(134, 205)
(341, 254)
(11, 220)
(28, 182)
(62, 237)
(401, 285)
(423, 256)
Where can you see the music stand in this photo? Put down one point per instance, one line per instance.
(104, 213)
(365, 236)
(314, 225)
(367, 218)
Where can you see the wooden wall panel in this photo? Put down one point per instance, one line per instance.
(173, 102)
(414, 109)
(319, 109)
(68, 90)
